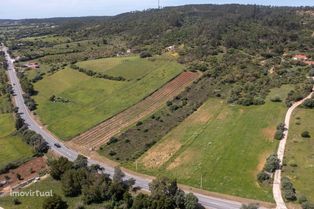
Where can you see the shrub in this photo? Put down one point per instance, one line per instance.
(276, 99)
(302, 199)
(272, 163)
(54, 202)
(16, 201)
(19, 177)
(308, 103)
(307, 205)
(112, 153)
(145, 54)
(279, 135)
(305, 134)
(262, 176)
(250, 206)
(112, 140)
(288, 189)
(139, 123)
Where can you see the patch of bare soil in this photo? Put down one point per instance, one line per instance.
(222, 115)
(184, 158)
(161, 153)
(269, 133)
(24, 172)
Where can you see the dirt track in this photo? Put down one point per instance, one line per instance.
(97, 136)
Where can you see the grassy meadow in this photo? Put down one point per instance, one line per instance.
(299, 158)
(130, 68)
(12, 147)
(92, 100)
(225, 145)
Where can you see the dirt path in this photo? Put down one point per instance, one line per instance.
(281, 151)
(97, 136)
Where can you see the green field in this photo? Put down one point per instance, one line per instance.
(225, 145)
(36, 202)
(12, 147)
(128, 67)
(52, 39)
(92, 100)
(299, 158)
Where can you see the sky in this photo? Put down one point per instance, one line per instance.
(20, 9)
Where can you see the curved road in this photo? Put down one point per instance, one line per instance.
(281, 151)
(206, 201)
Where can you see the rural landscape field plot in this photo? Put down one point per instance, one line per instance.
(100, 134)
(299, 160)
(43, 185)
(92, 100)
(225, 145)
(12, 147)
(129, 68)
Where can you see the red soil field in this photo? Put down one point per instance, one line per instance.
(97, 136)
(27, 171)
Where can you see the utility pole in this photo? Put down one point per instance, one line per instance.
(201, 181)
(158, 4)
(136, 165)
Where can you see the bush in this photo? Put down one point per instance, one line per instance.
(272, 163)
(139, 123)
(112, 140)
(306, 134)
(302, 199)
(54, 202)
(279, 135)
(262, 176)
(288, 189)
(276, 99)
(250, 206)
(16, 201)
(307, 205)
(308, 103)
(145, 54)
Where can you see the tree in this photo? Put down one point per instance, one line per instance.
(59, 167)
(71, 185)
(118, 175)
(272, 163)
(54, 202)
(288, 189)
(142, 201)
(191, 202)
(19, 122)
(180, 199)
(163, 187)
(80, 162)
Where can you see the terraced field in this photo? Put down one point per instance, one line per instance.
(93, 100)
(98, 135)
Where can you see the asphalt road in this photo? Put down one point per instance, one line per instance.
(206, 201)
